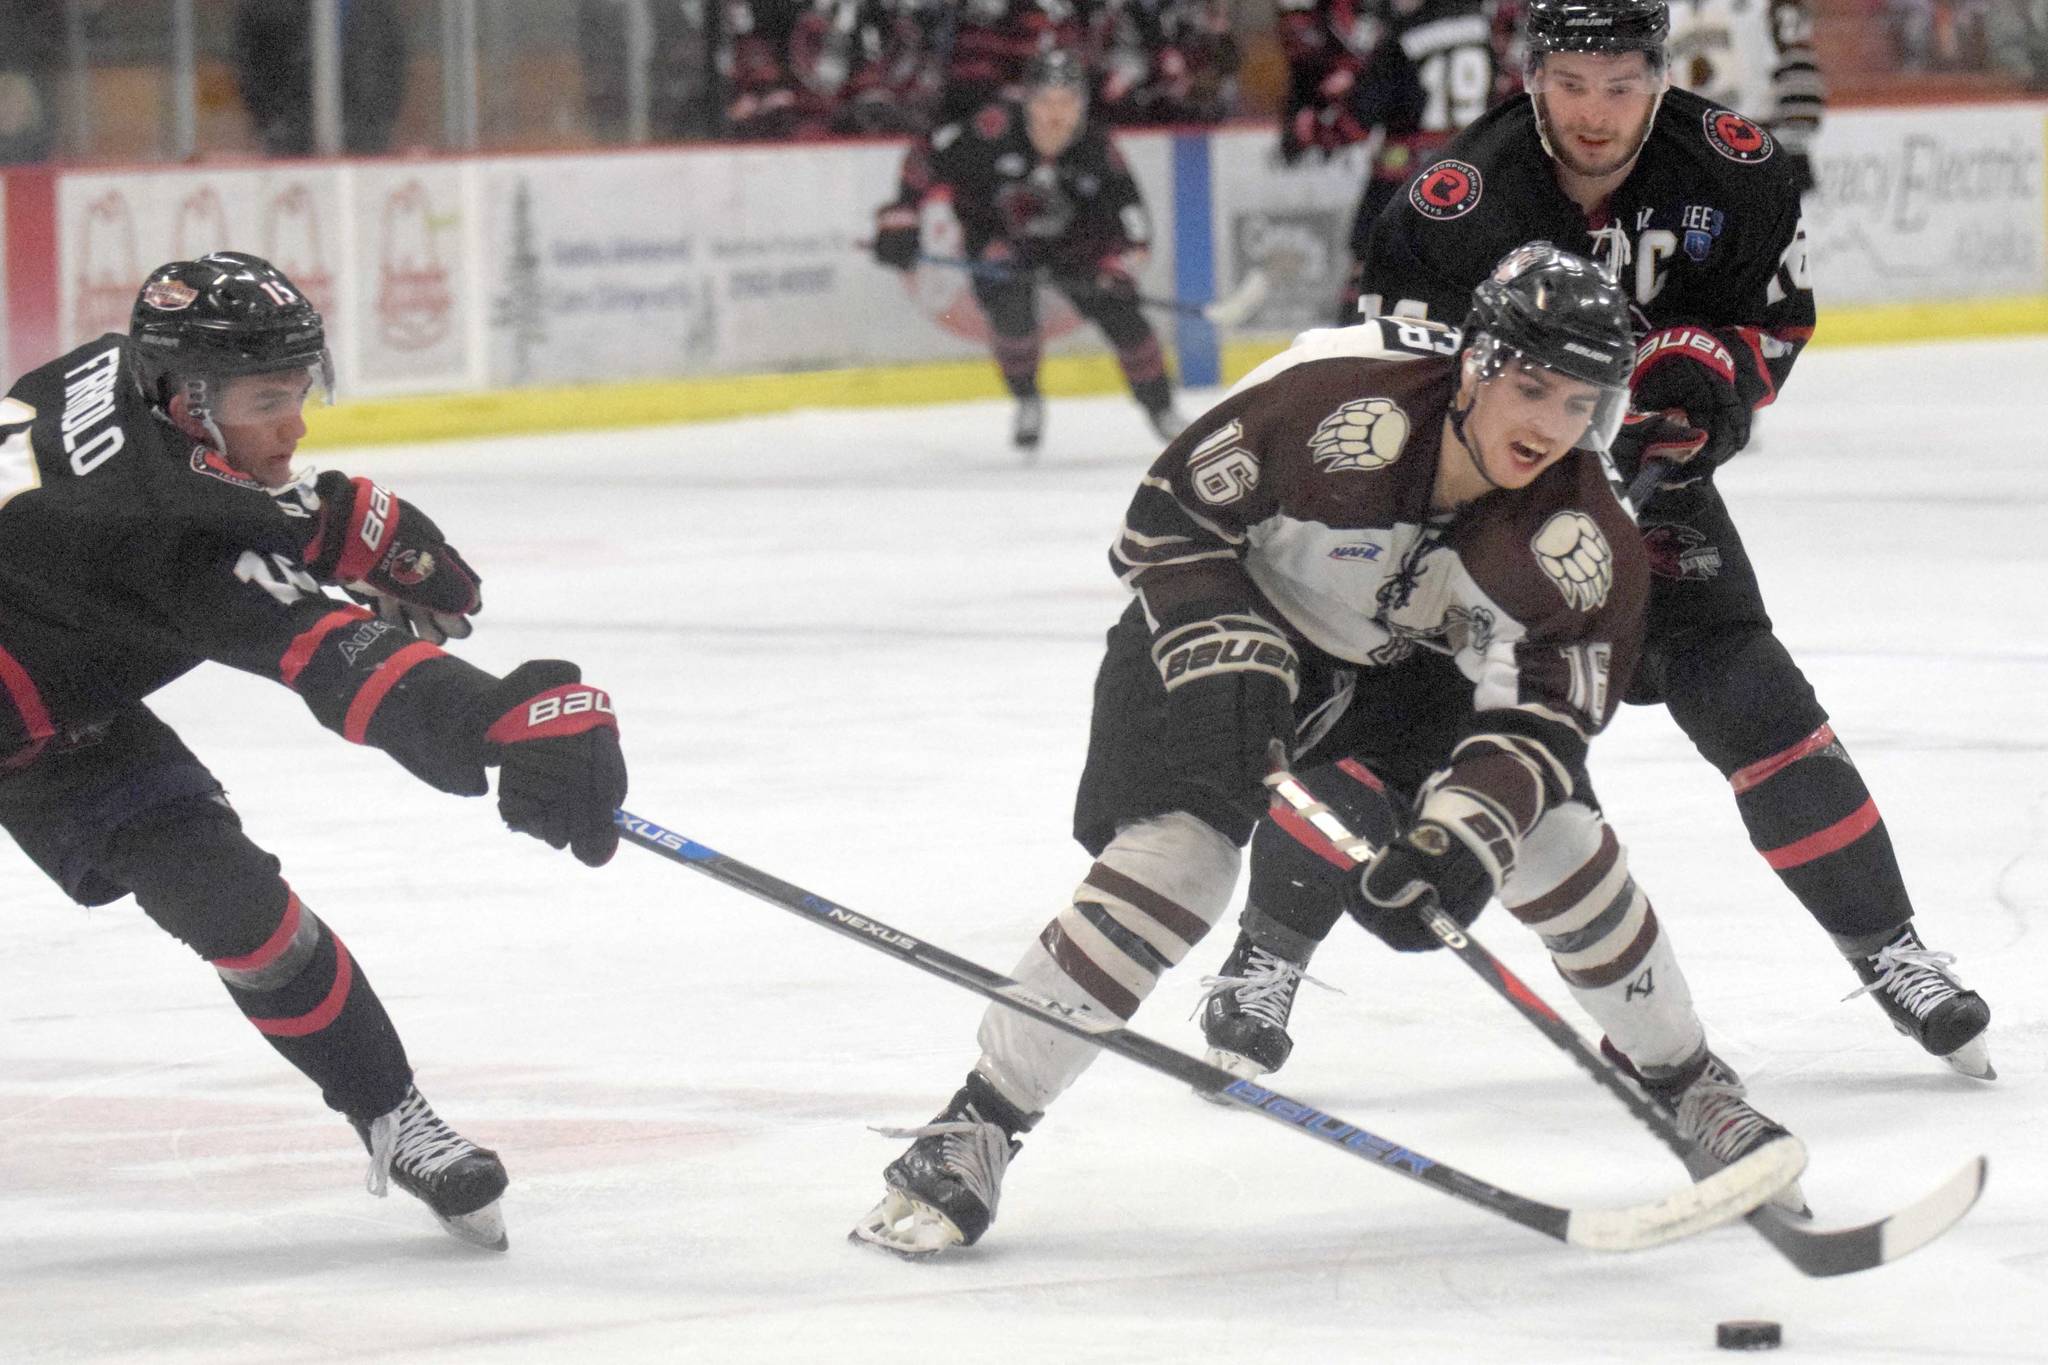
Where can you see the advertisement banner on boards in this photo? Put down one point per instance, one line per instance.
(412, 278)
(1930, 203)
(113, 229)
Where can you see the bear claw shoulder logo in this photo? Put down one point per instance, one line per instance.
(1366, 433)
(1576, 558)
(1736, 138)
(1449, 189)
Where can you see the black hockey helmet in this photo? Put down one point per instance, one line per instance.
(1562, 312)
(1595, 26)
(225, 314)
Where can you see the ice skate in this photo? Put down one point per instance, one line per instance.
(1166, 421)
(1925, 1001)
(943, 1191)
(1027, 425)
(460, 1181)
(1713, 1113)
(1244, 1016)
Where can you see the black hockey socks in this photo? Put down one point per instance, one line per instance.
(1813, 820)
(304, 993)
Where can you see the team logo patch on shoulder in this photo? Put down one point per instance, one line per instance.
(1576, 558)
(168, 296)
(1736, 138)
(1366, 433)
(1449, 189)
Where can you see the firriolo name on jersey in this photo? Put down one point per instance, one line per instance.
(88, 402)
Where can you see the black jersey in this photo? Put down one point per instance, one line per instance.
(1705, 230)
(1073, 210)
(130, 554)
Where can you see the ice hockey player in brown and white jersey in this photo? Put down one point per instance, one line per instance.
(1393, 541)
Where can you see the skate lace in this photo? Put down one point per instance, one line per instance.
(1266, 989)
(412, 1138)
(1918, 978)
(1717, 1115)
(976, 1152)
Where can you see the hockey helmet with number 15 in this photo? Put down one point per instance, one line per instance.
(198, 323)
(1549, 308)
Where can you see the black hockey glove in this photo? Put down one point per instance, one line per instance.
(1427, 864)
(561, 774)
(1230, 686)
(390, 554)
(1687, 374)
(897, 236)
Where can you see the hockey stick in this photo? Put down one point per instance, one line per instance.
(1817, 1252)
(1724, 1196)
(1229, 311)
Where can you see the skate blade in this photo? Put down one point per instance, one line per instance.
(1973, 1059)
(485, 1228)
(908, 1227)
(1237, 1064)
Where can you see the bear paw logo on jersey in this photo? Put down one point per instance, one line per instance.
(1736, 138)
(1577, 559)
(1366, 433)
(1449, 189)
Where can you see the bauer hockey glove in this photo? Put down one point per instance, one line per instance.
(1428, 864)
(1230, 688)
(1687, 374)
(561, 775)
(388, 553)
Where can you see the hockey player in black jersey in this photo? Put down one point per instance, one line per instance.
(1041, 193)
(150, 522)
(1697, 213)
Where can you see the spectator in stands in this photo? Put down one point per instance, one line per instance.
(273, 48)
(28, 72)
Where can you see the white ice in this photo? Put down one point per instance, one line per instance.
(854, 649)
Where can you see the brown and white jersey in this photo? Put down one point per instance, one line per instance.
(1304, 498)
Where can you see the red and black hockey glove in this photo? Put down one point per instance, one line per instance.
(1686, 375)
(389, 553)
(1428, 863)
(561, 775)
(897, 236)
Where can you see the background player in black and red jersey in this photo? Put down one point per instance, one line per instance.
(1041, 193)
(1697, 212)
(1391, 539)
(1410, 73)
(150, 522)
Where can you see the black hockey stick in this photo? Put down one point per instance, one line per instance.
(1814, 1251)
(1229, 311)
(1633, 1227)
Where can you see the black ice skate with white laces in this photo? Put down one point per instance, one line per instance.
(1245, 1013)
(414, 1149)
(1924, 1000)
(1712, 1112)
(944, 1191)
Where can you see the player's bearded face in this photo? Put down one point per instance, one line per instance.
(1524, 420)
(1596, 107)
(1052, 117)
(262, 420)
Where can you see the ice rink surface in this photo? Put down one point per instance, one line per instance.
(855, 649)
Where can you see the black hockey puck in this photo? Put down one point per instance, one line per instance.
(1748, 1335)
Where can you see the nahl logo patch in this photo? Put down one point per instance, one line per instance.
(1736, 138)
(1366, 433)
(1449, 189)
(1576, 558)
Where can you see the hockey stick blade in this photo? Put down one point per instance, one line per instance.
(1730, 1194)
(1818, 1252)
(1234, 308)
